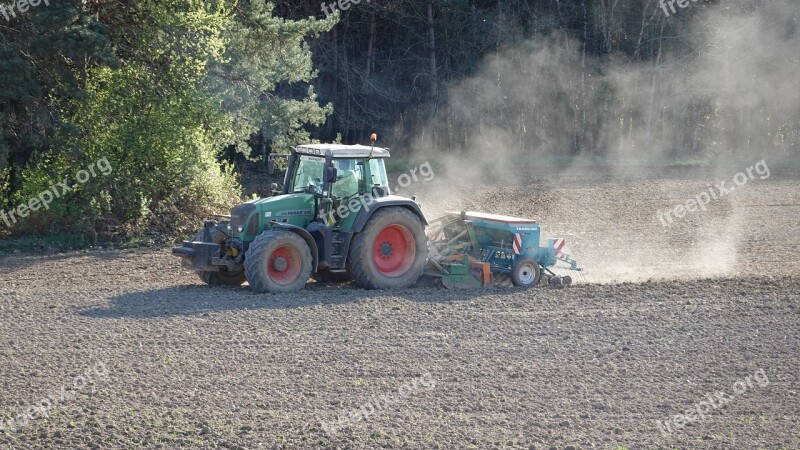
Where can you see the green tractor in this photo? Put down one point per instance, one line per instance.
(335, 219)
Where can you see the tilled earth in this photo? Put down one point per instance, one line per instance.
(123, 349)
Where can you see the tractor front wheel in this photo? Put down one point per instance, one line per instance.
(224, 276)
(526, 272)
(391, 251)
(278, 261)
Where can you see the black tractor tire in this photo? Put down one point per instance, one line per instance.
(224, 277)
(278, 261)
(525, 272)
(390, 252)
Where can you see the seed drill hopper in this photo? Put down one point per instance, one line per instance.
(468, 249)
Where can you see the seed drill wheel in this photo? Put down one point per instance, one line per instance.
(224, 276)
(525, 272)
(390, 253)
(278, 261)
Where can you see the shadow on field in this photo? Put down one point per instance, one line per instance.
(196, 299)
(16, 264)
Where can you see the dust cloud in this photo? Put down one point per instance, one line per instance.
(541, 130)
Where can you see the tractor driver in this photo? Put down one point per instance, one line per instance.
(346, 184)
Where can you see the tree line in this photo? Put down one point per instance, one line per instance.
(170, 90)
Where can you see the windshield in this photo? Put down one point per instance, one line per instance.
(308, 174)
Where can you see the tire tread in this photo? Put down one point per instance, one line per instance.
(358, 260)
(255, 254)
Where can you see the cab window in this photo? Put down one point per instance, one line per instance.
(377, 172)
(349, 178)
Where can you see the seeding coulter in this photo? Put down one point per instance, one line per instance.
(467, 249)
(336, 219)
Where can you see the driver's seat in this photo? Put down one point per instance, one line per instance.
(346, 186)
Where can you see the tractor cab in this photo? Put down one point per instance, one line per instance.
(336, 178)
(352, 170)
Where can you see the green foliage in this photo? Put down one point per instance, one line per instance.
(198, 80)
(155, 124)
(44, 54)
(268, 54)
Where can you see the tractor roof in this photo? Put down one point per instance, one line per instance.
(343, 151)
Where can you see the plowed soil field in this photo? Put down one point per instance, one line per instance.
(699, 320)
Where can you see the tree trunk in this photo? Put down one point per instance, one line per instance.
(654, 83)
(371, 45)
(432, 42)
(582, 132)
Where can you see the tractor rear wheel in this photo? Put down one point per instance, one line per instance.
(526, 272)
(278, 261)
(391, 251)
(223, 277)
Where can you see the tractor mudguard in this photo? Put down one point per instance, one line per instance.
(392, 200)
(303, 234)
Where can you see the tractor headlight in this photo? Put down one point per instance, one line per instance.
(240, 229)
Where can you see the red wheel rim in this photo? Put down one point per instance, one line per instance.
(284, 265)
(393, 250)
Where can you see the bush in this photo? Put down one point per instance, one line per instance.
(158, 127)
